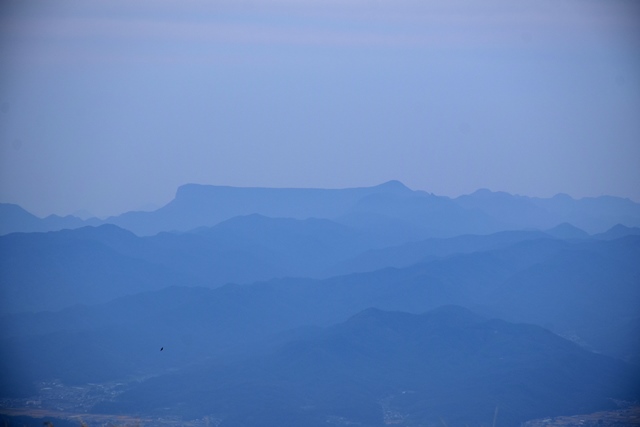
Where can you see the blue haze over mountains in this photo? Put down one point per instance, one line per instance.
(391, 204)
(324, 307)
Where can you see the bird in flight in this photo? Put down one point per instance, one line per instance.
(161, 348)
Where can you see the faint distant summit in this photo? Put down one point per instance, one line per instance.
(486, 193)
(567, 231)
(394, 186)
(13, 219)
(562, 196)
(618, 231)
(390, 209)
(83, 214)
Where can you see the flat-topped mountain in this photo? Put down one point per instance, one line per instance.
(206, 205)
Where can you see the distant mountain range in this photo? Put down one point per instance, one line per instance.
(54, 270)
(14, 219)
(392, 209)
(585, 290)
(327, 307)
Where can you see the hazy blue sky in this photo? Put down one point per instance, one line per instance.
(110, 105)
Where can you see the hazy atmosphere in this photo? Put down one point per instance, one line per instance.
(310, 213)
(109, 106)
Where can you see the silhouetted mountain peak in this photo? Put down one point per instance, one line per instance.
(14, 218)
(486, 194)
(563, 197)
(567, 231)
(11, 208)
(618, 231)
(394, 186)
(100, 232)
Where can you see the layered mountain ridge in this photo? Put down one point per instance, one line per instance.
(367, 306)
(481, 212)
